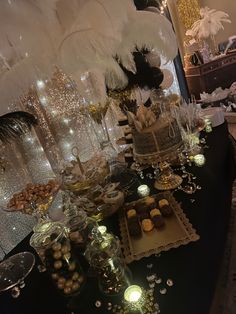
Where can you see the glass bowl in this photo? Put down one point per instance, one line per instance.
(34, 199)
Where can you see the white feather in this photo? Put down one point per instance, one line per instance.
(148, 30)
(210, 24)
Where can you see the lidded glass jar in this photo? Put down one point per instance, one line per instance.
(79, 225)
(52, 244)
(105, 258)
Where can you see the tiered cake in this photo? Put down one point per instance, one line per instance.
(154, 139)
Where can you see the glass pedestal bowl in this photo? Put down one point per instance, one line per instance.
(34, 199)
(14, 270)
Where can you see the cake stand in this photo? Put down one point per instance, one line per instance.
(14, 270)
(167, 180)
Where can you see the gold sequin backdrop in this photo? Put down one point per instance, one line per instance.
(183, 14)
(188, 12)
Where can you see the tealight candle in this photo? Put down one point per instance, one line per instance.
(143, 190)
(102, 229)
(199, 160)
(133, 294)
(208, 125)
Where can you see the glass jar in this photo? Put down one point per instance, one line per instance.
(52, 244)
(105, 258)
(80, 225)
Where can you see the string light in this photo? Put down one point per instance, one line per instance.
(66, 120)
(40, 84)
(163, 6)
(43, 100)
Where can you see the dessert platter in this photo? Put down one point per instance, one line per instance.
(154, 224)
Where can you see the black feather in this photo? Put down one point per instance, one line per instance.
(145, 75)
(14, 124)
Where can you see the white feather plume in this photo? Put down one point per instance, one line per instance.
(210, 24)
(76, 35)
(151, 31)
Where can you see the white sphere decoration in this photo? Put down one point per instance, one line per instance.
(168, 79)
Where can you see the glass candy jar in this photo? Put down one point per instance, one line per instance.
(52, 244)
(105, 258)
(79, 224)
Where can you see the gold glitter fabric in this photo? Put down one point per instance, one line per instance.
(189, 12)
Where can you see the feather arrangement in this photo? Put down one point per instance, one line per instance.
(76, 36)
(145, 75)
(14, 124)
(210, 23)
(107, 35)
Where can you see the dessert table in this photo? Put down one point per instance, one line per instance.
(193, 268)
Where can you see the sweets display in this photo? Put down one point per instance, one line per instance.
(34, 195)
(152, 225)
(147, 214)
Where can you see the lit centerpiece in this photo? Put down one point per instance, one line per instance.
(138, 300)
(143, 190)
(133, 294)
(199, 160)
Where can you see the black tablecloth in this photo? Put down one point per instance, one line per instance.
(193, 268)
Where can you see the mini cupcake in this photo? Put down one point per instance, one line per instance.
(149, 200)
(131, 213)
(157, 218)
(165, 207)
(134, 227)
(147, 225)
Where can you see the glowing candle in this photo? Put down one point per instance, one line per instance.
(199, 160)
(143, 190)
(208, 125)
(102, 229)
(133, 293)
